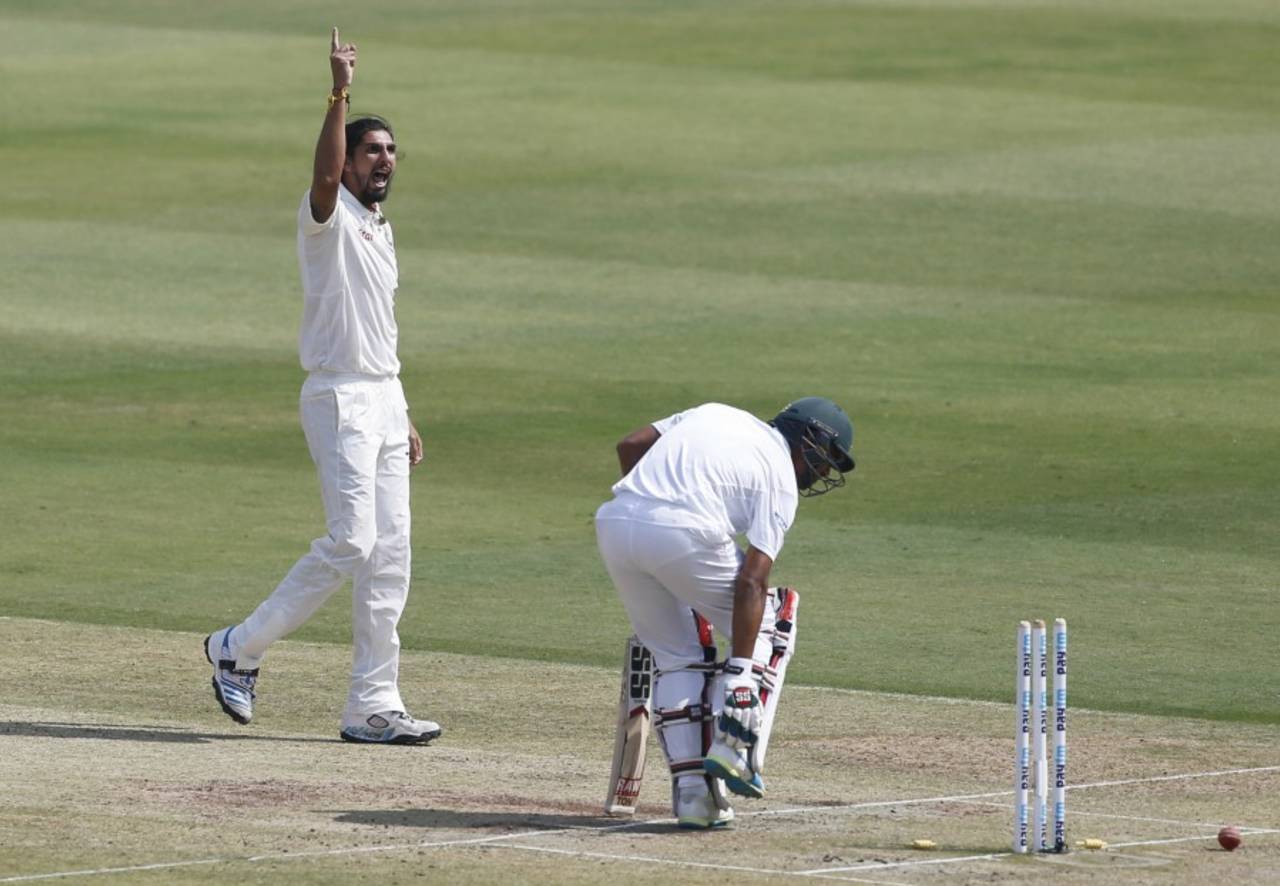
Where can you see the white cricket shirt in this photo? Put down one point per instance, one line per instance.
(349, 280)
(722, 471)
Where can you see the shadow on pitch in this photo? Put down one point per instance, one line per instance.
(118, 732)
(453, 819)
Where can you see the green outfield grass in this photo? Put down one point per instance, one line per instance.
(1030, 246)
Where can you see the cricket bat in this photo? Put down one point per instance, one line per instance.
(634, 711)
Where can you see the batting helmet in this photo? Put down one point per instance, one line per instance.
(823, 435)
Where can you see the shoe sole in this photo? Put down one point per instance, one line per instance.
(732, 778)
(217, 691)
(424, 738)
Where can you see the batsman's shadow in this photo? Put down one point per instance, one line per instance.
(134, 732)
(455, 819)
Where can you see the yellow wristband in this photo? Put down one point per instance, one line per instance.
(340, 95)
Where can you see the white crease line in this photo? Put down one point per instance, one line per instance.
(977, 798)
(1154, 778)
(907, 696)
(966, 798)
(689, 864)
(882, 865)
(277, 856)
(1251, 832)
(875, 804)
(996, 855)
(1088, 814)
(764, 812)
(125, 870)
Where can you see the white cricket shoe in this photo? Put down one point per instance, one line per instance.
(390, 727)
(732, 765)
(233, 688)
(696, 809)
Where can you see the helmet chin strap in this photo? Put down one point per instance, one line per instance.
(808, 476)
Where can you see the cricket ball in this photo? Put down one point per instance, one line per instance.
(1229, 838)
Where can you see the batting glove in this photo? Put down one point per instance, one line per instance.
(739, 722)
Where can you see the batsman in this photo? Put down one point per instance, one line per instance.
(691, 484)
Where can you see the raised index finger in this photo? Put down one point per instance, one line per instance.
(333, 45)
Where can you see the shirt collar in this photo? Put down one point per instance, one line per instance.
(357, 208)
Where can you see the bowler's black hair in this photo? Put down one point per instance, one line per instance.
(359, 126)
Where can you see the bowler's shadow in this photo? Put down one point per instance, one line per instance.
(123, 732)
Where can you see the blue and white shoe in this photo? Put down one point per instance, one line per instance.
(696, 809)
(391, 727)
(233, 688)
(731, 765)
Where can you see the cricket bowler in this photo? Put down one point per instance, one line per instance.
(358, 431)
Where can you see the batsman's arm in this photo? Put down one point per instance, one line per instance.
(331, 147)
(750, 593)
(632, 447)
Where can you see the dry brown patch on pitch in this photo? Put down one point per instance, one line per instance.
(223, 793)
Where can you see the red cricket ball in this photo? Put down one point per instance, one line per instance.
(1229, 838)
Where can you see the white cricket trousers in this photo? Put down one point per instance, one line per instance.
(357, 429)
(662, 573)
